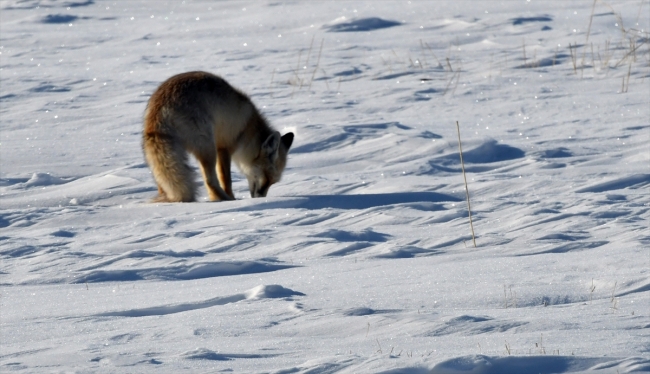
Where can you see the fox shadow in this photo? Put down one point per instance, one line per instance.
(372, 200)
(365, 201)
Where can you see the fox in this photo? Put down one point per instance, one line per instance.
(199, 113)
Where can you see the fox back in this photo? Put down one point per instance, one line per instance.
(200, 113)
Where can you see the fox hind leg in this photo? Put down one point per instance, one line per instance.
(161, 198)
(223, 171)
(208, 162)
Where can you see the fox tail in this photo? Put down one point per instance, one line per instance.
(168, 161)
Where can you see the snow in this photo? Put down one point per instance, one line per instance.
(361, 259)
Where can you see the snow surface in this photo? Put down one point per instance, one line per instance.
(361, 258)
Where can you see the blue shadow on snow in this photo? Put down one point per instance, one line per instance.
(362, 24)
(371, 200)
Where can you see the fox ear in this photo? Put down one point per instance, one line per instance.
(271, 145)
(287, 140)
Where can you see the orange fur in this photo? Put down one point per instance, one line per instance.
(200, 113)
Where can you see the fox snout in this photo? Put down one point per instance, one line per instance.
(269, 164)
(259, 189)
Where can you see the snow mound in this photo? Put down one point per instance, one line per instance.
(204, 354)
(491, 151)
(480, 364)
(273, 291)
(522, 20)
(43, 179)
(210, 355)
(361, 24)
(632, 181)
(181, 272)
(59, 18)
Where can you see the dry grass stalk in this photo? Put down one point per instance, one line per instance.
(574, 52)
(591, 18)
(469, 208)
(431, 51)
(320, 51)
(626, 82)
(523, 46)
(631, 51)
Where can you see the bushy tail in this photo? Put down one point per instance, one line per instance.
(167, 159)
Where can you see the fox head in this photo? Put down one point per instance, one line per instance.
(267, 168)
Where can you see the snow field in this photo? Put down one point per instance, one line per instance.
(360, 259)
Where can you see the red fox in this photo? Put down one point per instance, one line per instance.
(200, 113)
